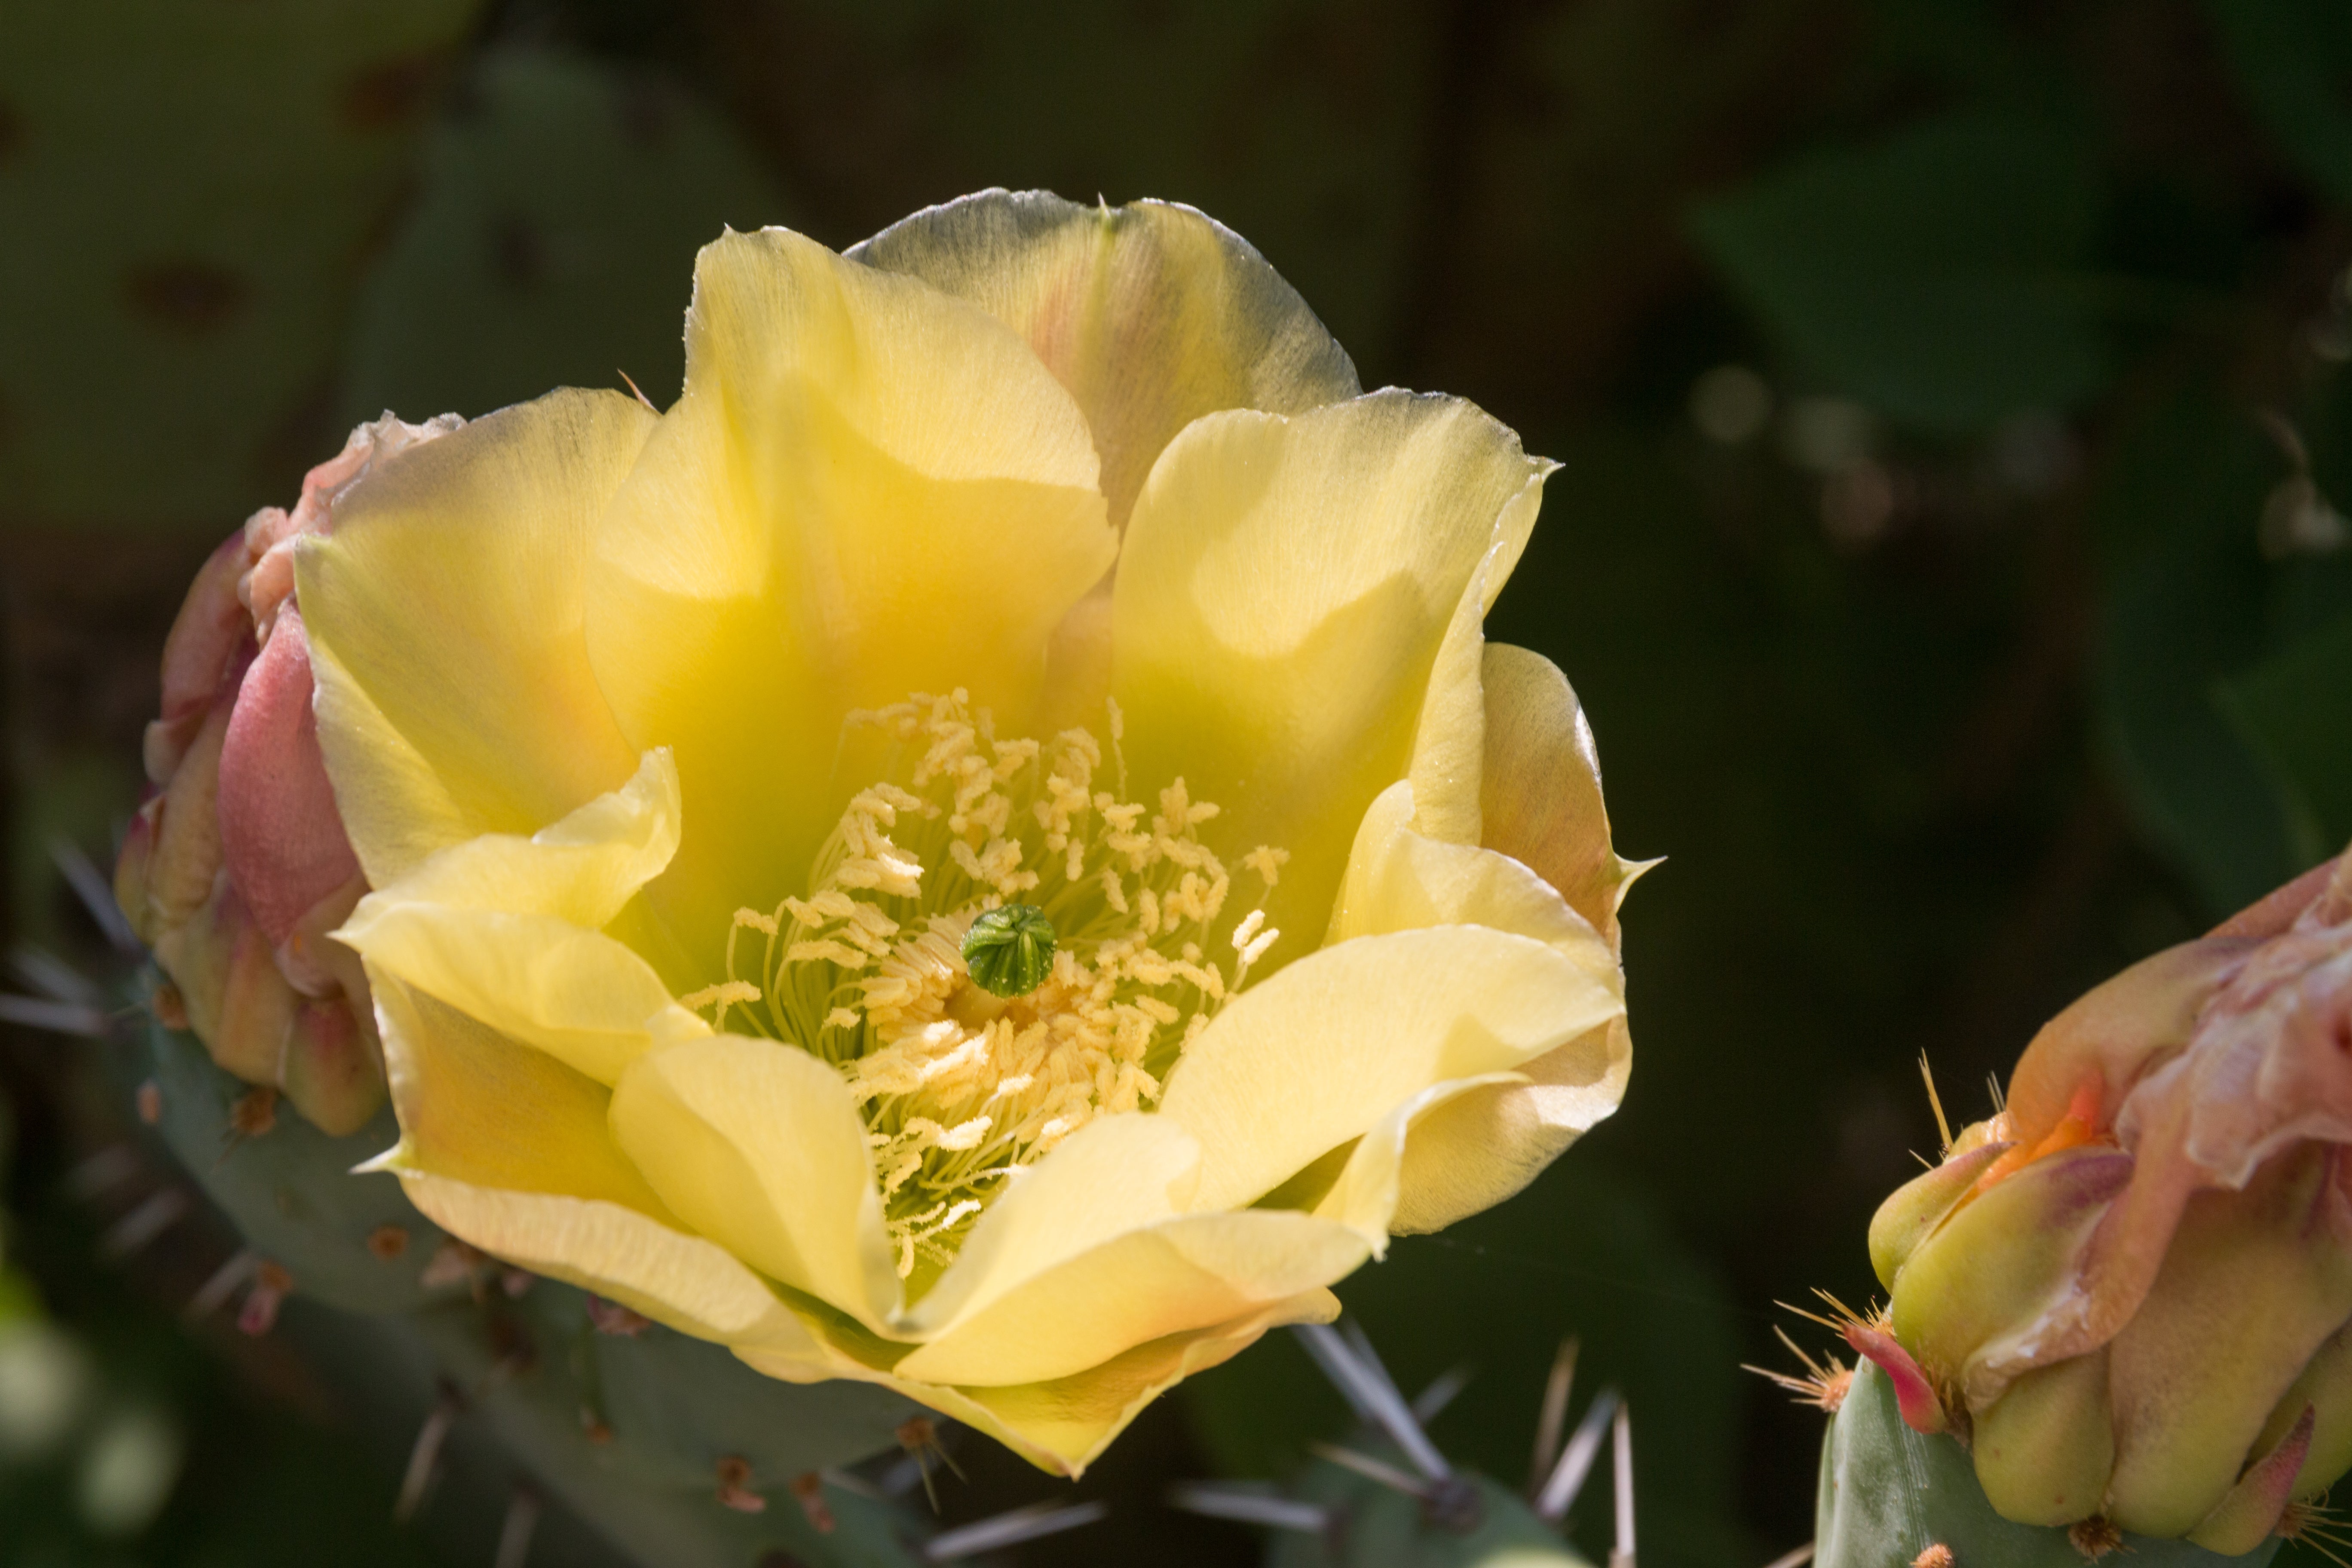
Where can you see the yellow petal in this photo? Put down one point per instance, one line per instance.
(583, 868)
(1475, 1149)
(1179, 1276)
(757, 1145)
(1399, 878)
(1066, 1424)
(1116, 1174)
(1449, 744)
(444, 611)
(1540, 786)
(1471, 1153)
(503, 928)
(1365, 1195)
(1063, 1426)
(867, 489)
(691, 1284)
(1319, 1052)
(490, 1112)
(585, 999)
(1152, 314)
(1281, 600)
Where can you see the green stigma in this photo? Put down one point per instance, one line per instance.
(1009, 949)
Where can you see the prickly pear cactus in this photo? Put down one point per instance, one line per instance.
(667, 1447)
(358, 1245)
(1890, 1495)
(1376, 1526)
(192, 193)
(1388, 1499)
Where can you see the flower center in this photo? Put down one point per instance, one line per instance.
(994, 951)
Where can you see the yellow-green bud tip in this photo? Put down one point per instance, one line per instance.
(1009, 949)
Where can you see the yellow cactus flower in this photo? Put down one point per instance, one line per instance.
(984, 850)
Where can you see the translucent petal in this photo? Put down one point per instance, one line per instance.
(1281, 602)
(1063, 1425)
(1177, 1276)
(583, 998)
(1478, 1148)
(1366, 1193)
(503, 929)
(1315, 1055)
(1449, 743)
(583, 868)
(480, 1109)
(619, 1253)
(443, 612)
(1115, 1175)
(867, 489)
(1066, 1424)
(1153, 315)
(757, 1145)
(1539, 786)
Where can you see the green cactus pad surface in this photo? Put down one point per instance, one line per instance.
(1888, 1493)
(676, 1404)
(289, 1191)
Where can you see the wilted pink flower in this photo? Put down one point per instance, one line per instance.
(238, 865)
(2132, 1288)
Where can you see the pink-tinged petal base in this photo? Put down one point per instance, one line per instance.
(2246, 1518)
(236, 868)
(1914, 1395)
(198, 654)
(331, 1068)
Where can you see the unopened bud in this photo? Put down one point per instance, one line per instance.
(2134, 1282)
(238, 865)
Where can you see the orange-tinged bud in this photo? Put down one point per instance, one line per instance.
(2325, 1386)
(238, 866)
(2000, 1261)
(331, 1068)
(2136, 1283)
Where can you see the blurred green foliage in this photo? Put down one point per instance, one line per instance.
(1950, 546)
(1941, 276)
(122, 1442)
(2294, 59)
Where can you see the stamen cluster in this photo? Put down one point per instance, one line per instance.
(960, 1087)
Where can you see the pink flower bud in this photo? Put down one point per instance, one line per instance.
(237, 866)
(2136, 1282)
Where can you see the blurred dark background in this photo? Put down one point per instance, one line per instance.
(1953, 417)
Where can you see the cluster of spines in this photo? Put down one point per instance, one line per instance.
(1453, 1503)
